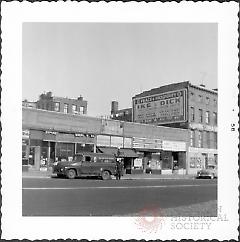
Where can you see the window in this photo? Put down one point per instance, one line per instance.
(200, 139)
(200, 98)
(200, 115)
(87, 158)
(215, 102)
(214, 118)
(207, 117)
(192, 95)
(65, 109)
(81, 109)
(215, 139)
(57, 106)
(208, 139)
(192, 114)
(207, 100)
(74, 108)
(192, 138)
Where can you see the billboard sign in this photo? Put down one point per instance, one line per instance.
(168, 107)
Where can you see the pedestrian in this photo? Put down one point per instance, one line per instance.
(118, 170)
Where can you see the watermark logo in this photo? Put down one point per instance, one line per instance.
(197, 223)
(150, 219)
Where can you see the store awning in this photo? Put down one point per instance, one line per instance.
(108, 150)
(128, 153)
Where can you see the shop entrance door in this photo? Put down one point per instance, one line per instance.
(34, 157)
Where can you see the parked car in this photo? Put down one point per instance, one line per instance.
(87, 164)
(209, 172)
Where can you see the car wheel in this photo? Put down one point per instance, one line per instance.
(106, 175)
(71, 174)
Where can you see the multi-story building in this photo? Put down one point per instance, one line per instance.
(120, 114)
(183, 105)
(62, 104)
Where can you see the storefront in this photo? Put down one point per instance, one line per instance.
(25, 149)
(161, 156)
(200, 158)
(49, 146)
(118, 146)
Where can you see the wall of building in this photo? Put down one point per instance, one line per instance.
(53, 103)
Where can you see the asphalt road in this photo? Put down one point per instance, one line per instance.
(90, 197)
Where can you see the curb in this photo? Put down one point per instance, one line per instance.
(123, 178)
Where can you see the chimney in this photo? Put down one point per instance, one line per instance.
(114, 107)
(80, 98)
(215, 89)
(202, 85)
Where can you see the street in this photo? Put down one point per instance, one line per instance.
(92, 197)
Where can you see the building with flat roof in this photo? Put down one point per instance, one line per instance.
(62, 104)
(50, 136)
(120, 114)
(187, 106)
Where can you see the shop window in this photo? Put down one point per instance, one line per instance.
(192, 114)
(65, 108)
(84, 148)
(200, 115)
(57, 106)
(207, 117)
(64, 151)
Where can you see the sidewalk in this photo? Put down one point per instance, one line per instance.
(48, 174)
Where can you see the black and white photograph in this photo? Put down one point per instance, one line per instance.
(132, 104)
(122, 121)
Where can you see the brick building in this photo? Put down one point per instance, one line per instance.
(183, 105)
(120, 114)
(62, 104)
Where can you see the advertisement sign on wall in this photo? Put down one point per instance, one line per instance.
(147, 143)
(168, 107)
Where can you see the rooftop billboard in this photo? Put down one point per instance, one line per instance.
(168, 107)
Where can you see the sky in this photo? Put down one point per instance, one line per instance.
(115, 61)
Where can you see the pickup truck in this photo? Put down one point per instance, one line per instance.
(87, 164)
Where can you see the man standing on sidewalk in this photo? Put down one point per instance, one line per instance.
(118, 169)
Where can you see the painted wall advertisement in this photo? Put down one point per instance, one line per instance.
(161, 108)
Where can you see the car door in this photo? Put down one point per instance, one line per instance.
(86, 166)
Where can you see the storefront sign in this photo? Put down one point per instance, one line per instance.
(147, 143)
(127, 142)
(116, 141)
(203, 127)
(196, 162)
(50, 132)
(173, 145)
(161, 108)
(137, 162)
(103, 140)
